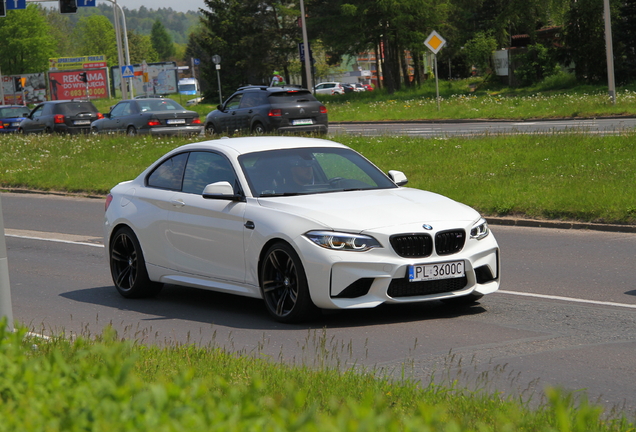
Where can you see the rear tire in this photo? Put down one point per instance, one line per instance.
(258, 128)
(284, 285)
(128, 268)
(131, 131)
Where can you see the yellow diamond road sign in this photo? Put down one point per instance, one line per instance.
(434, 42)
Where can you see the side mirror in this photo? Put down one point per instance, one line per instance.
(219, 107)
(398, 177)
(220, 190)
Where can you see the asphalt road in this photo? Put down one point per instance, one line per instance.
(565, 316)
(477, 127)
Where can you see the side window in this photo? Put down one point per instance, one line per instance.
(169, 174)
(37, 112)
(118, 110)
(205, 168)
(250, 99)
(234, 102)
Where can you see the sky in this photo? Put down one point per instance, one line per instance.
(177, 5)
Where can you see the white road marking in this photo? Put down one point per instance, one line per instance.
(55, 237)
(569, 299)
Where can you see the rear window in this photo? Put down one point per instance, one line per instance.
(70, 108)
(292, 96)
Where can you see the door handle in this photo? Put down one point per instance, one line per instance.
(249, 225)
(177, 203)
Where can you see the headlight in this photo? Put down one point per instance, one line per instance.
(480, 229)
(343, 241)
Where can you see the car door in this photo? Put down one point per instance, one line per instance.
(117, 121)
(34, 122)
(230, 118)
(206, 235)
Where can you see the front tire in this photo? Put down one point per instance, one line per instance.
(284, 285)
(210, 130)
(128, 268)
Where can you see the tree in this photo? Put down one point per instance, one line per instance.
(161, 41)
(96, 36)
(478, 51)
(60, 26)
(237, 31)
(27, 43)
(584, 37)
(140, 48)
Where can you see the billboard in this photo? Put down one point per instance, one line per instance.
(74, 63)
(67, 84)
(34, 90)
(162, 78)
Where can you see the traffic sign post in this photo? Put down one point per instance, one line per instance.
(435, 42)
(217, 61)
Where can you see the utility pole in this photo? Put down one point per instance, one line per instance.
(310, 86)
(609, 52)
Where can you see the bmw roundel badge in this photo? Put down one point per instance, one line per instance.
(427, 227)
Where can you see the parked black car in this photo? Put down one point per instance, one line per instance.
(262, 109)
(154, 116)
(61, 116)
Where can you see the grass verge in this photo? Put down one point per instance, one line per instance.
(566, 176)
(108, 384)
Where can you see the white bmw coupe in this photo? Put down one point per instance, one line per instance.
(305, 224)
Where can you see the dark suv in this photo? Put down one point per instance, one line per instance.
(62, 116)
(262, 109)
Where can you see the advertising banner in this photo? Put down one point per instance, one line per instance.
(33, 91)
(67, 84)
(161, 78)
(74, 63)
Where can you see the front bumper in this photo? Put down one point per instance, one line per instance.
(348, 280)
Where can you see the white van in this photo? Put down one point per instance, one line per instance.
(189, 86)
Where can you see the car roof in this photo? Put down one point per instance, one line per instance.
(245, 145)
(284, 88)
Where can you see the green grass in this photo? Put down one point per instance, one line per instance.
(557, 176)
(103, 383)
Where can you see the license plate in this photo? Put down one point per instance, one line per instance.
(15, 124)
(81, 122)
(176, 121)
(446, 270)
(302, 122)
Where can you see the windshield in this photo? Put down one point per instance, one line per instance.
(310, 170)
(14, 112)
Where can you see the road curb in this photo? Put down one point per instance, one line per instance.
(479, 120)
(566, 225)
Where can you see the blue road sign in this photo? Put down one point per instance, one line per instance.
(86, 3)
(197, 62)
(16, 4)
(127, 71)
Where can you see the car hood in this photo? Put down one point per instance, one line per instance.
(373, 209)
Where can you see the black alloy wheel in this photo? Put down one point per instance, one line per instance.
(284, 285)
(128, 268)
